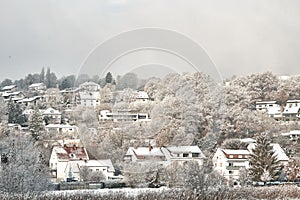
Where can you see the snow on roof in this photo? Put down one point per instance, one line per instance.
(142, 95)
(89, 83)
(247, 140)
(78, 153)
(236, 152)
(293, 101)
(51, 111)
(274, 110)
(29, 99)
(8, 87)
(184, 149)
(11, 94)
(36, 85)
(293, 132)
(265, 102)
(60, 126)
(144, 151)
(101, 163)
(279, 152)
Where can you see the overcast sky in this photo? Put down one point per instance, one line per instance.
(241, 37)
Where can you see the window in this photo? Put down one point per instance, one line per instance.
(230, 172)
(195, 154)
(240, 156)
(230, 164)
(97, 170)
(230, 156)
(185, 155)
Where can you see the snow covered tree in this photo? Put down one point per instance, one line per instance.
(36, 124)
(15, 115)
(25, 170)
(264, 165)
(292, 170)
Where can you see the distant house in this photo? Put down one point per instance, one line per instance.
(90, 99)
(165, 155)
(30, 101)
(8, 89)
(228, 162)
(66, 163)
(39, 87)
(123, 115)
(145, 154)
(52, 116)
(62, 128)
(14, 96)
(294, 134)
(271, 108)
(184, 153)
(291, 111)
(141, 96)
(89, 86)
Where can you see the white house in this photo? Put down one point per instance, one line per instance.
(89, 86)
(52, 116)
(31, 100)
(141, 96)
(183, 154)
(123, 115)
(39, 87)
(66, 163)
(89, 98)
(8, 89)
(294, 134)
(145, 155)
(164, 155)
(14, 96)
(228, 162)
(62, 128)
(270, 107)
(291, 111)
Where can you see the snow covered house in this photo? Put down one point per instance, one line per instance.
(184, 154)
(228, 162)
(38, 87)
(294, 134)
(89, 86)
(14, 96)
(31, 101)
(291, 111)
(89, 98)
(66, 163)
(8, 89)
(271, 108)
(123, 115)
(62, 128)
(52, 116)
(141, 96)
(145, 154)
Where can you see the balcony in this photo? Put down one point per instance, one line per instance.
(233, 167)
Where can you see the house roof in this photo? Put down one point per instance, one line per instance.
(9, 87)
(266, 102)
(88, 84)
(101, 163)
(71, 153)
(293, 101)
(184, 149)
(29, 99)
(235, 152)
(274, 110)
(293, 132)
(144, 151)
(60, 126)
(36, 85)
(11, 94)
(51, 111)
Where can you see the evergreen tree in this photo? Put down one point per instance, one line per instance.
(108, 78)
(42, 75)
(15, 115)
(36, 124)
(264, 165)
(48, 78)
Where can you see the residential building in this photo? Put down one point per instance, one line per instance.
(294, 134)
(52, 116)
(62, 128)
(8, 89)
(291, 111)
(184, 154)
(38, 87)
(14, 96)
(123, 115)
(271, 108)
(89, 86)
(141, 96)
(228, 162)
(89, 98)
(32, 101)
